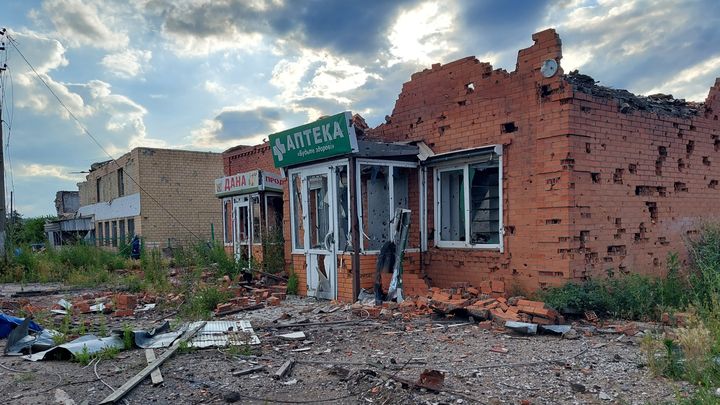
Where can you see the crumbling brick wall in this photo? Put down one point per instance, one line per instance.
(594, 180)
(645, 176)
(466, 104)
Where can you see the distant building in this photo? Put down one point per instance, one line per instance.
(67, 203)
(165, 196)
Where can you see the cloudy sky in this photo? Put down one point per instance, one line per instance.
(210, 74)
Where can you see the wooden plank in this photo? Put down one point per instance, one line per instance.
(284, 369)
(133, 382)
(155, 375)
(248, 371)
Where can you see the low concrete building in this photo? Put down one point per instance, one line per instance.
(165, 196)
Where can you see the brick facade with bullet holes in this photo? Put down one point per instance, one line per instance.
(595, 180)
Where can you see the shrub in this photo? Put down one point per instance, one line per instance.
(203, 302)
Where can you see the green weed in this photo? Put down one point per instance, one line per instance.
(293, 283)
(128, 339)
(203, 302)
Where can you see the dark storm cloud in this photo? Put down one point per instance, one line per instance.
(244, 124)
(357, 28)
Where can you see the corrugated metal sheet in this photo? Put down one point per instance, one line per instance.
(224, 333)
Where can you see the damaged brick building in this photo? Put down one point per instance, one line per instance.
(593, 180)
(514, 180)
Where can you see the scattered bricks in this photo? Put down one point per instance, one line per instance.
(528, 303)
(502, 300)
(497, 286)
(591, 316)
(374, 312)
(485, 302)
(407, 306)
(478, 312)
(441, 296)
(503, 306)
(279, 295)
(494, 305)
(226, 279)
(223, 307)
(446, 306)
(273, 301)
(541, 321)
(81, 307)
(125, 301)
(681, 318)
(630, 329)
(432, 380)
(485, 325)
(124, 312)
(485, 287)
(472, 291)
(665, 318)
(545, 313)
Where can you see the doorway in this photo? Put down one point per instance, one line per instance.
(321, 223)
(243, 227)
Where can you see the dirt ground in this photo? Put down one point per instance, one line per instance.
(349, 358)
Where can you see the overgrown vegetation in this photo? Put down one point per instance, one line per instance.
(203, 302)
(292, 283)
(692, 351)
(631, 296)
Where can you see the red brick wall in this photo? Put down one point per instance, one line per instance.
(437, 108)
(643, 183)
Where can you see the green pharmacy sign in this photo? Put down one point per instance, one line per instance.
(321, 139)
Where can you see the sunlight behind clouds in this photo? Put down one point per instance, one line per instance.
(420, 34)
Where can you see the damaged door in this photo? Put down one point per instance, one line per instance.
(321, 267)
(242, 230)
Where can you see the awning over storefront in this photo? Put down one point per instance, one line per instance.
(248, 182)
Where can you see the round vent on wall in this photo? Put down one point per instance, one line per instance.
(549, 68)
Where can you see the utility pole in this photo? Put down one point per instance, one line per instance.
(3, 211)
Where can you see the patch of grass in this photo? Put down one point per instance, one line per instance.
(155, 270)
(630, 296)
(292, 283)
(128, 340)
(83, 357)
(201, 304)
(185, 348)
(239, 350)
(273, 244)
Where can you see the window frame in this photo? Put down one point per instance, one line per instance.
(390, 164)
(464, 165)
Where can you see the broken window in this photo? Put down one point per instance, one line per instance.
(227, 221)
(376, 205)
(256, 219)
(121, 182)
(274, 211)
(484, 204)
(107, 233)
(131, 227)
(384, 187)
(452, 205)
(297, 215)
(343, 207)
(121, 226)
(100, 234)
(318, 210)
(114, 233)
(468, 211)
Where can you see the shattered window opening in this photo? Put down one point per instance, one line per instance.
(256, 219)
(343, 207)
(468, 204)
(297, 214)
(273, 213)
(383, 188)
(318, 210)
(227, 221)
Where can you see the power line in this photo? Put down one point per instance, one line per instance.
(13, 42)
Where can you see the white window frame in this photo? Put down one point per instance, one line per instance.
(464, 165)
(303, 201)
(390, 164)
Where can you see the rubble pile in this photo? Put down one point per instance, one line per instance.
(246, 297)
